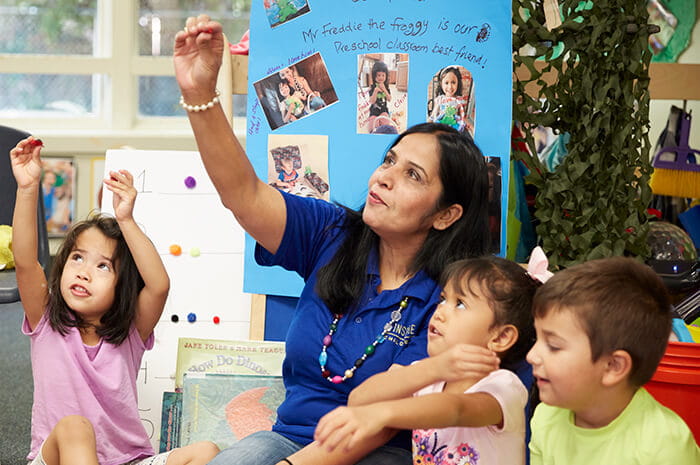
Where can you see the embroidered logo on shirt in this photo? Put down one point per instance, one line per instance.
(401, 334)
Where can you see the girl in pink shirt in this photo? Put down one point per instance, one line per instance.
(89, 325)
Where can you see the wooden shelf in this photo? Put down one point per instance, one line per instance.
(674, 81)
(239, 70)
(669, 81)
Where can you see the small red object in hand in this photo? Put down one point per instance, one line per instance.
(36, 143)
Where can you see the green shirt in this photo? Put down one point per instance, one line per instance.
(646, 432)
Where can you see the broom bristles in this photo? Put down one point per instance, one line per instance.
(677, 183)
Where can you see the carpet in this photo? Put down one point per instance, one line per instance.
(16, 387)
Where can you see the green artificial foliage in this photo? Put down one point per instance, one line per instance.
(594, 204)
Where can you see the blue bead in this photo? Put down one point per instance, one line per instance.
(191, 317)
(323, 358)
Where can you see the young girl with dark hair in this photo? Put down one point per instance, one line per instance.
(379, 93)
(302, 90)
(458, 415)
(449, 105)
(89, 326)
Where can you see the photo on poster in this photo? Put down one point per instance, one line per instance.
(296, 91)
(495, 192)
(298, 164)
(382, 85)
(451, 98)
(282, 11)
(58, 186)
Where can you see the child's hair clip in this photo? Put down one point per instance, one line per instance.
(537, 266)
(36, 143)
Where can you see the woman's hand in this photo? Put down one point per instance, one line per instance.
(348, 426)
(26, 162)
(197, 58)
(121, 184)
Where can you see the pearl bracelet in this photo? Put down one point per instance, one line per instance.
(202, 107)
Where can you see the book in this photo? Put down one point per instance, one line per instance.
(170, 421)
(226, 408)
(263, 358)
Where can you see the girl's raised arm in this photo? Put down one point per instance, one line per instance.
(259, 208)
(26, 167)
(151, 299)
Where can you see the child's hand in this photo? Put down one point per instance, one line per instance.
(26, 162)
(464, 361)
(121, 184)
(351, 425)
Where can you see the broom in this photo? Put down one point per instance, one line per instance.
(677, 168)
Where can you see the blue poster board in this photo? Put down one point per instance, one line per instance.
(313, 71)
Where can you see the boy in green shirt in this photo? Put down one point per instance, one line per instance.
(602, 329)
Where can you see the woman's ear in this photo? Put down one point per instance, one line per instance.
(447, 216)
(618, 368)
(503, 338)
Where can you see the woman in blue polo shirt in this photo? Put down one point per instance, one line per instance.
(370, 275)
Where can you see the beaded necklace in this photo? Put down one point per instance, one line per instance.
(369, 350)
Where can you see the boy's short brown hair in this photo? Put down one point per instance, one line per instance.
(621, 304)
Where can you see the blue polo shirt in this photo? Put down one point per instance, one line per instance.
(311, 238)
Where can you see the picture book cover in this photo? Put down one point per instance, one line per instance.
(263, 358)
(170, 421)
(226, 408)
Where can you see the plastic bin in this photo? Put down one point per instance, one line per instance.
(676, 383)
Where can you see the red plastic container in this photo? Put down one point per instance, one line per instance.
(676, 383)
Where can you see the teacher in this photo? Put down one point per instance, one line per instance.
(370, 275)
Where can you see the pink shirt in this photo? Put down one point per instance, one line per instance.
(479, 445)
(97, 382)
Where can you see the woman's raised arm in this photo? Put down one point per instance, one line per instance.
(258, 207)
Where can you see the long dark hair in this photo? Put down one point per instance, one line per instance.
(115, 323)
(465, 182)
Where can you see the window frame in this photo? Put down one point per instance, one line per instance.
(117, 121)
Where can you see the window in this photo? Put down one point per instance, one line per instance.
(101, 69)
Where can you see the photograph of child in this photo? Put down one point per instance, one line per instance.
(281, 11)
(295, 91)
(58, 186)
(382, 84)
(451, 98)
(298, 164)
